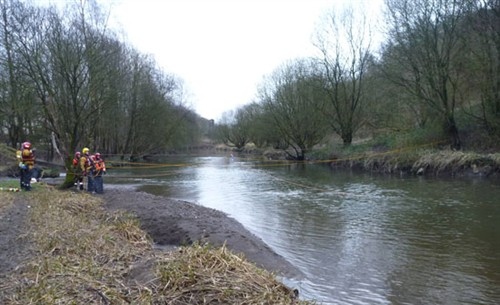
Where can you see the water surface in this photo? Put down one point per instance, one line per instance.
(358, 238)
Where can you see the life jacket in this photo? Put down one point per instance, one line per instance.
(76, 166)
(99, 166)
(28, 158)
(86, 163)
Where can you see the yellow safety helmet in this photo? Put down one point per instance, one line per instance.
(85, 150)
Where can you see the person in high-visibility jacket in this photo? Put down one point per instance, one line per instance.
(26, 164)
(77, 171)
(98, 170)
(86, 166)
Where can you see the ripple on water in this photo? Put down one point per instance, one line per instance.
(360, 239)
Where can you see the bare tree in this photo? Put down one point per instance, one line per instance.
(233, 128)
(63, 59)
(154, 113)
(17, 107)
(345, 41)
(290, 98)
(423, 55)
(69, 79)
(258, 130)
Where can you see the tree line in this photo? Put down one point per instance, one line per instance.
(67, 82)
(438, 65)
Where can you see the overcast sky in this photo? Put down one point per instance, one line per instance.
(222, 48)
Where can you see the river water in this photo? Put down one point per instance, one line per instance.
(358, 238)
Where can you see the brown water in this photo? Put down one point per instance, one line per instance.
(359, 239)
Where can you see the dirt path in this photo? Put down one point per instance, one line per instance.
(14, 249)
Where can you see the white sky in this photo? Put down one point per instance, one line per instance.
(221, 49)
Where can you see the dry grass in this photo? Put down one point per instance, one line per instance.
(382, 162)
(495, 157)
(86, 256)
(431, 161)
(454, 161)
(202, 275)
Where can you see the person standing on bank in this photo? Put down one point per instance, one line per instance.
(86, 166)
(99, 170)
(26, 165)
(77, 171)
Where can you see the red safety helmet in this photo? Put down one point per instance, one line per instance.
(26, 145)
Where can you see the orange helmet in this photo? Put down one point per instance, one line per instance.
(26, 145)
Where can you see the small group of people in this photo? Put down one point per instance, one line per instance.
(26, 158)
(90, 168)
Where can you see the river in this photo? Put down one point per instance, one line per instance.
(358, 238)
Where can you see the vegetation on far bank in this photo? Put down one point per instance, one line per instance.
(414, 154)
(399, 153)
(87, 256)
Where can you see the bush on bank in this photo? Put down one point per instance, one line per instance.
(88, 256)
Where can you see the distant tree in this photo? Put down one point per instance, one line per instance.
(105, 136)
(258, 131)
(345, 41)
(233, 130)
(158, 116)
(188, 130)
(289, 98)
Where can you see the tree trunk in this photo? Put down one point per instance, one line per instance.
(347, 138)
(69, 181)
(452, 130)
